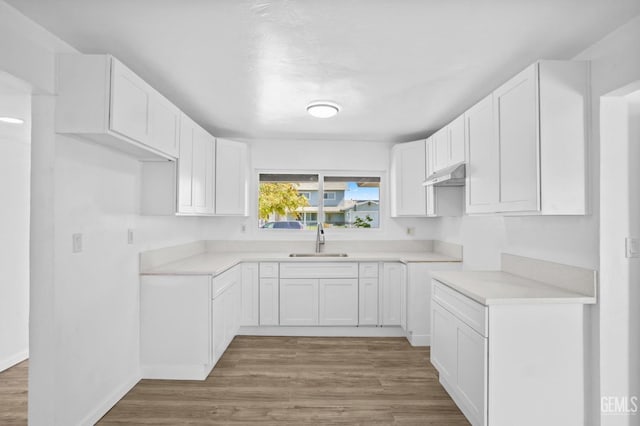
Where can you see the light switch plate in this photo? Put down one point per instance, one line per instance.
(76, 243)
(632, 247)
(129, 236)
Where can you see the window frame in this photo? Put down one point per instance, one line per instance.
(383, 195)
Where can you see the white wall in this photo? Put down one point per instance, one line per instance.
(615, 65)
(84, 306)
(317, 155)
(15, 152)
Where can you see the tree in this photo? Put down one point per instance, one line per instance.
(279, 198)
(363, 223)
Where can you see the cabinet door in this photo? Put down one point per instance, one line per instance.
(164, 126)
(471, 371)
(185, 165)
(443, 343)
(129, 113)
(442, 149)
(392, 281)
(219, 317)
(368, 301)
(516, 125)
(249, 298)
(456, 140)
(203, 173)
(338, 301)
(482, 181)
(269, 301)
(408, 170)
(298, 302)
(231, 178)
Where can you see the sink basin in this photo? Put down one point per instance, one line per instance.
(318, 255)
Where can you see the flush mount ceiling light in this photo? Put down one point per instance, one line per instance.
(323, 109)
(11, 120)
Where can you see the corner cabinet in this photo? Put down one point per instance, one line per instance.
(100, 99)
(411, 163)
(529, 154)
(209, 178)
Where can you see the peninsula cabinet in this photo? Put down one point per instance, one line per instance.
(187, 322)
(100, 99)
(538, 138)
(510, 363)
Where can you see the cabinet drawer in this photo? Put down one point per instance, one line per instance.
(224, 281)
(269, 270)
(369, 270)
(468, 311)
(319, 270)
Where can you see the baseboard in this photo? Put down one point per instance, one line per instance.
(176, 372)
(102, 409)
(322, 331)
(14, 359)
(420, 339)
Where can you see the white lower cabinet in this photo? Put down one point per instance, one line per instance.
(298, 301)
(250, 294)
(186, 323)
(391, 286)
(368, 301)
(338, 304)
(510, 364)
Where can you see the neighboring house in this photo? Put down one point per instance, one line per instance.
(338, 211)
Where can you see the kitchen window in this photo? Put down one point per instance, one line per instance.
(295, 201)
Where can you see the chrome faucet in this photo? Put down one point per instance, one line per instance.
(319, 237)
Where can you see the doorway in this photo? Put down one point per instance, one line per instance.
(620, 256)
(15, 169)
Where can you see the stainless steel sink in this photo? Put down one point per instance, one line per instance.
(318, 255)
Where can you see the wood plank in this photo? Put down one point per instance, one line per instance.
(298, 381)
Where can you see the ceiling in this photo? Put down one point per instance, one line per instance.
(399, 69)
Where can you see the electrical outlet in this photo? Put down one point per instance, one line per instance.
(76, 243)
(243, 228)
(632, 247)
(129, 236)
(411, 230)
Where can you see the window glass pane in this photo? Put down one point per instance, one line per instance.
(288, 201)
(351, 202)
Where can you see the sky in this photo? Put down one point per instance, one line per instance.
(355, 193)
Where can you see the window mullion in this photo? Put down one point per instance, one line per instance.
(320, 198)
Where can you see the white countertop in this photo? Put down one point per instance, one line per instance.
(498, 287)
(214, 263)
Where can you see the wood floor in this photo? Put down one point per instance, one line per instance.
(297, 381)
(13, 395)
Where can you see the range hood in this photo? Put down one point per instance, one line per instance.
(449, 176)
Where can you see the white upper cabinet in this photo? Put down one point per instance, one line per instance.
(407, 174)
(456, 140)
(441, 149)
(164, 125)
(446, 146)
(482, 160)
(195, 169)
(231, 178)
(532, 158)
(102, 100)
(516, 129)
